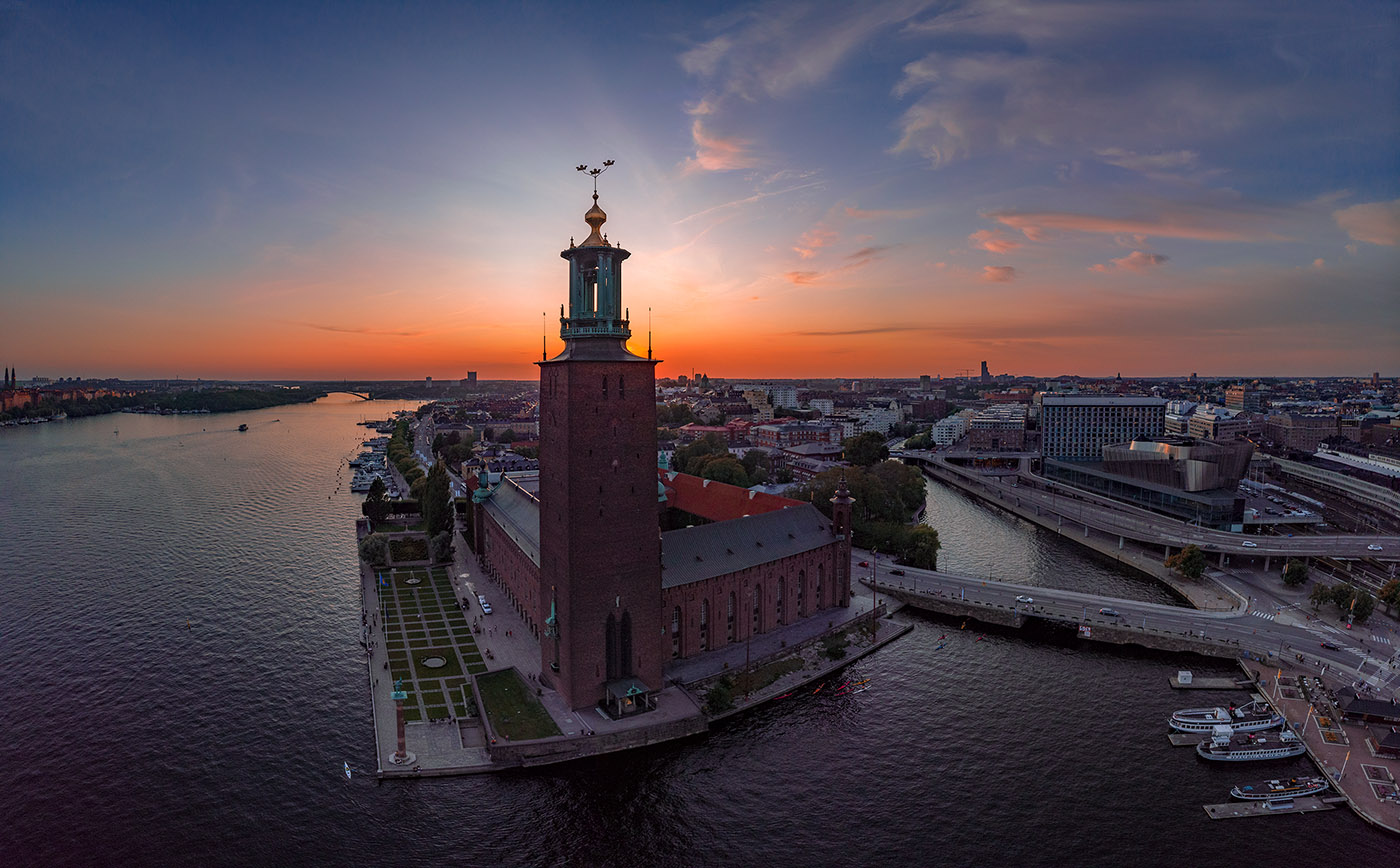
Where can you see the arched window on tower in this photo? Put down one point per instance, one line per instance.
(757, 593)
(821, 602)
(621, 388)
(729, 630)
(801, 593)
(778, 608)
(704, 625)
(605, 385)
(676, 632)
(624, 646)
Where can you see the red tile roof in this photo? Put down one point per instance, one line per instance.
(718, 501)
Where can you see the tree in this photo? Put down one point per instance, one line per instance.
(688, 458)
(440, 547)
(437, 503)
(1295, 573)
(508, 436)
(720, 697)
(377, 502)
(1363, 606)
(1190, 562)
(757, 466)
(374, 549)
(725, 468)
(865, 449)
(1390, 593)
(1342, 595)
(920, 549)
(1320, 594)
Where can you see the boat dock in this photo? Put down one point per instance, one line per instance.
(1298, 805)
(1208, 684)
(1187, 739)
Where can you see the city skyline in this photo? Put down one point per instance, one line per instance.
(886, 190)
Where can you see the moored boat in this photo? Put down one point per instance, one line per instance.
(1286, 788)
(1250, 717)
(1244, 746)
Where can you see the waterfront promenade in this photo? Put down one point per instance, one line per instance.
(466, 744)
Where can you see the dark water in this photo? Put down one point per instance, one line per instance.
(134, 740)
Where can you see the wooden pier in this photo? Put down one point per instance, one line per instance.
(1297, 805)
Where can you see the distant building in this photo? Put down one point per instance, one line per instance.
(1300, 432)
(925, 382)
(986, 374)
(471, 378)
(784, 434)
(1000, 427)
(428, 382)
(946, 432)
(1077, 427)
(1242, 397)
(1210, 422)
(825, 406)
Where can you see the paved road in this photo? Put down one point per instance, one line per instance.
(1139, 524)
(1259, 630)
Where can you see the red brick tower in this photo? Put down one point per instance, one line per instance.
(600, 545)
(841, 526)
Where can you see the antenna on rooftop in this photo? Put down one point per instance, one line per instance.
(648, 332)
(544, 326)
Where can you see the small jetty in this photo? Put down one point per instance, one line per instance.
(1298, 805)
(1193, 683)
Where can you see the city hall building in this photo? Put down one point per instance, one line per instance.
(579, 546)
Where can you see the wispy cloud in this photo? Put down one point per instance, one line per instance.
(718, 154)
(1374, 222)
(1199, 224)
(365, 330)
(1148, 163)
(747, 200)
(873, 330)
(884, 213)
(1138, 260)
(997, 274)
(993, 241)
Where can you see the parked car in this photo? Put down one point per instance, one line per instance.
(865, 563)
(485, 606)
(896, 572)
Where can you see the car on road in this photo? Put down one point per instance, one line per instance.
(865, 563)
(485, 606)
(1373, 548)
(1250, 545)
(896, 572)
(1331, 646)
(1112, 613)
(1022, 598)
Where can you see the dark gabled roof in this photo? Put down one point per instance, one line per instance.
(693, 554)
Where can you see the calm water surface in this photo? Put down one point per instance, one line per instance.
(136, 739)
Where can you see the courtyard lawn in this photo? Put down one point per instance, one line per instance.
(421, 619)
(512, 708)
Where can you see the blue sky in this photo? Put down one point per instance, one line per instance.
(875, 189)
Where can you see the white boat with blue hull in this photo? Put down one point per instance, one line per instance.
(1251, 717)
(1226, 746)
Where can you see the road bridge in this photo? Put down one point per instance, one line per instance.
(1261, 633)
(362, 396)
(1134, 523)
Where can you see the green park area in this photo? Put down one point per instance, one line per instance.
(512, 708)
(429, 642)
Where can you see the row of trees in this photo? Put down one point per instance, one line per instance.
(452, 447)
(885, 495)
(1356, 601)
(709, 458)
(400, 454)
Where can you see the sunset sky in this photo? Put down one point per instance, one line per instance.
(308, 190)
